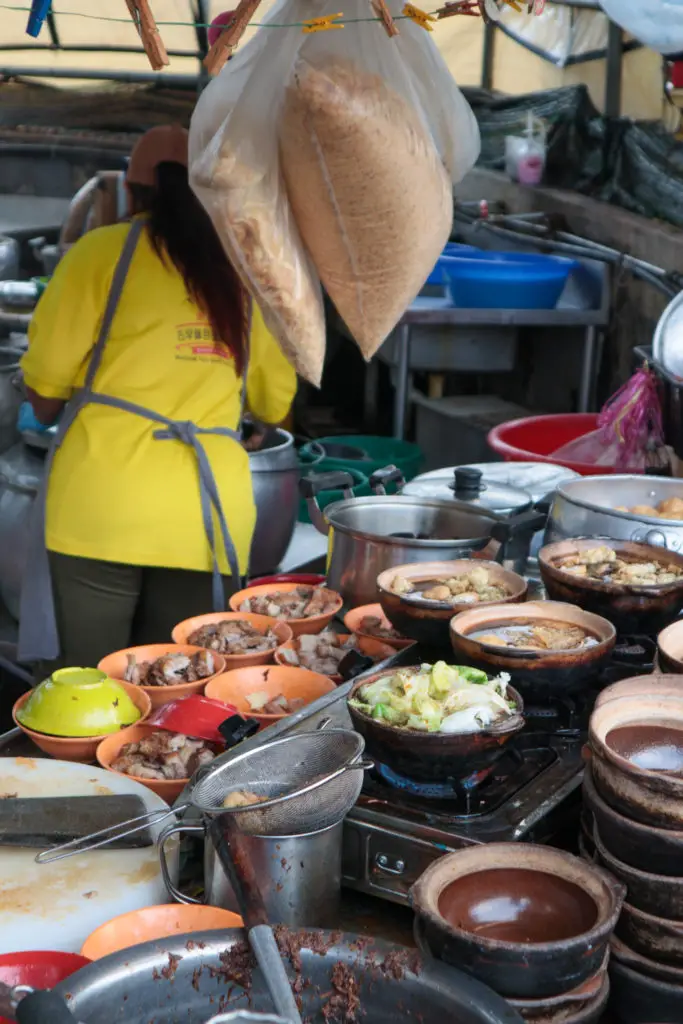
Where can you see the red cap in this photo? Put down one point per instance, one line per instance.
(218, 24)
(167, 143)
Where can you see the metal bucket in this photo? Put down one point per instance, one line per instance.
(299, 876)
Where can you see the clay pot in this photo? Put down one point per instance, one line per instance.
(657, 938)
(637, 962)
(530, 921)
(542, 673)
(428, 621)
(633, 740)
(654, 894)
(656, 685)
(630, 608)
(433, 756)
(638, 999)
(582, 1004)
(670, 649)
(641, 846)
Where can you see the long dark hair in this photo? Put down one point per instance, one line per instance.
(180, 230)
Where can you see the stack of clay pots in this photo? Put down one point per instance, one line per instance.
(633, 827)
(531, 922)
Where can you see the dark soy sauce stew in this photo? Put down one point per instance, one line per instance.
(536, 635)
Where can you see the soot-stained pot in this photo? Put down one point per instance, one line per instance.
(636, 748)
(659, 684)
(530, 921)
(659, 850)
(433, 756)
(575, 1007)
(657, 938)
(428, 621)
(654, 894)
(670, 650)
(632, 609)
(642, 965)
(533, 672)
(639, 999)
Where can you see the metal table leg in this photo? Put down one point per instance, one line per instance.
(402, 373)
(588, 370)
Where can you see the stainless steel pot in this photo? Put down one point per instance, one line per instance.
(275, 477)
(586, 507)
(21, 471)
(299, 876)
(369, 535)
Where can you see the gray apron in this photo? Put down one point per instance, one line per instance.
(38, 634)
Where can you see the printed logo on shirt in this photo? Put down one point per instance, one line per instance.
(196, 342)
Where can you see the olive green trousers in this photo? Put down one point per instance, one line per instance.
(104, 607)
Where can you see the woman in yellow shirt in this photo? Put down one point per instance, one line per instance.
(144, 342)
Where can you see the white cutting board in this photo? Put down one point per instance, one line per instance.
(56, 906)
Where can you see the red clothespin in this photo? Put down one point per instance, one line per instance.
(145, 23)
(228, 40)
(384, 14)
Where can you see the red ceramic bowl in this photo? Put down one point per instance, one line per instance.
(38, 969)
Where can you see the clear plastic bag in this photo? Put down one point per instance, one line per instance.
(630, 436)
(374, 135)
(655, 23)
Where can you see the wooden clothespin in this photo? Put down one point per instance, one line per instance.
(468, 7)
(144, 21)
(324, 24)
(384, 14)
(228, 40)
(420, 18)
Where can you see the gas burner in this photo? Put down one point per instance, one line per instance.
(451, 790)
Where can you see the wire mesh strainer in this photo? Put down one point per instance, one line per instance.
(309, 780)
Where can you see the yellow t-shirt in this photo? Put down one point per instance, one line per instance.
(116, 493)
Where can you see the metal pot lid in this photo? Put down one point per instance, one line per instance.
(471, 484)
(667, 344)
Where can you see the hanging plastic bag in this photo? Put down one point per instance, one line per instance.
(630, 436)
(348, 138)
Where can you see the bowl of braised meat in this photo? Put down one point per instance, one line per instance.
(240, 638)
(369, 620)
(548, 647)
(637, 587)
(325, 652)
(268, 694)
(305, 609)
(421, 599)
(164, 671)
(161, 760)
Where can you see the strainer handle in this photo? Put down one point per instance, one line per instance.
(176, 830)
(107, 835)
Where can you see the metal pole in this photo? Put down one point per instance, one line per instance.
(133, 77)
(615, 40)
(488, 55)
(587, 370)
(402, 373)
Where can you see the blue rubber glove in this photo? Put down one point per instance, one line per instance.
(27, 420)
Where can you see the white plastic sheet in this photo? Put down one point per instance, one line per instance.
(655, 23)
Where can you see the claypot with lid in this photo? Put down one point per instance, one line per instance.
(660, 895)
(658, 684)
(640, 999)
(636, 748)
(490, 909)
(670, 649)
(656, 938)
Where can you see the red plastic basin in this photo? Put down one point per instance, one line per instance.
(533, 440)
(38, 969)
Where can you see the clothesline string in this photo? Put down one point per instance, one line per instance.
(192, 24)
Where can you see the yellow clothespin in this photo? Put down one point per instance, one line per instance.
(322, 24)
(144, 21)
(420, 18)
(514, 4)
(384, 14)
(227, 42)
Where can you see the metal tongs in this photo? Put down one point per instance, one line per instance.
(28, 1006)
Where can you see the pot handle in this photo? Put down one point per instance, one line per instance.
(176, 830)
(311, 486)
(389, 475)
(526, 522)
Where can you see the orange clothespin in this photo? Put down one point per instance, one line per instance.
(324, 24)
(384, 14)
(145, 23)
(514, 5)
(228, 40)
(420, 18)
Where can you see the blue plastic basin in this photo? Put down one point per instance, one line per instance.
(438, 275)
(505, 280)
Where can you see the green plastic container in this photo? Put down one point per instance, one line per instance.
(379, 453)
(360, 489)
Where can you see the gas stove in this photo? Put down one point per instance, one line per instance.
(532, 794)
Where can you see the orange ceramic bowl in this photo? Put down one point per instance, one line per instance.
(184, 630)
(108, 750)
(81, 748)
(353, 619)
(234, 687)
(152, 923)
(115, 666)
(314, 624)
(375, 649)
